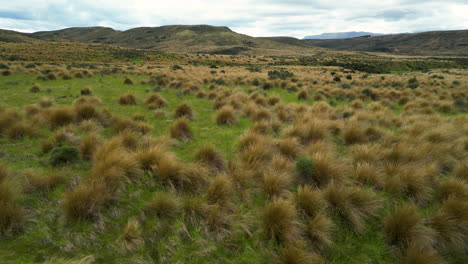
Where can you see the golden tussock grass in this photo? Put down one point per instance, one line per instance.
(127, 99)
(184, 110)
(163, 205)
(226, 116)
(220, 190)
(279, 222)
(319, 232)
(310, 201)
(210, 157)
(405, 227)
(295, 255)
(181, 130)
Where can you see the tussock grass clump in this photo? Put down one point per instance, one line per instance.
(35, 89)
(220, 190)
(226, 116)
(279, 222)
(150, 158)
(302, 95)
(307, 132)
(84, 260)
(11, 214)
(85, 201)
(210, 157)
(288, 147)
(294, 255)
(275, 184)
(355, 204)
(461, 170)
(128, 81)
(32, 110)
(89, 145)
(195, 210)
(20, 130)
(46, 102)
(249, 139)
(453, 188)
(43, 183)
(127, 99)
(193, 178)
(132, 235)
(181, 130)
(405, 227)
(410, 180)
(256, 155)
(319, 232)
(86, 91)
(163, 205)
(318, 170)
(368, 174)
(450, 225)
(86, 111)
(59, 116)
(155, 101)
(184, 111)
(309, 201)
(113, 164)
(418, 255)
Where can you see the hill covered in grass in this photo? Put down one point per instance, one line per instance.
(426, 43)
(175, 38)
(222, 40)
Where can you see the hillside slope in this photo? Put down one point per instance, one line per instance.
(176, 38)
(426, 43)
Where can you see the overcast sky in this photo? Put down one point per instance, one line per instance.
(296, 18)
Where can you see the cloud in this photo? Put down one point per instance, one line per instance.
(257, 18)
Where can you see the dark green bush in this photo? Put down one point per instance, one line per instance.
(267, 86)
(64, 154)
(176, 67)
(413, 83)
(337, 79)
(281, 74)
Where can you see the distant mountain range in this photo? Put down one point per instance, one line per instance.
(222, 40)
(342, 35)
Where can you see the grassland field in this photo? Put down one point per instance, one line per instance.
(152, 163)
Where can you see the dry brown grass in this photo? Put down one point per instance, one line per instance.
(405, 227)
(209, 156)
(180, 130)
(279, 222)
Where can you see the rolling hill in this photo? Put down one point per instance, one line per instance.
(176, 38)
(222, 40)
(426, 43)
